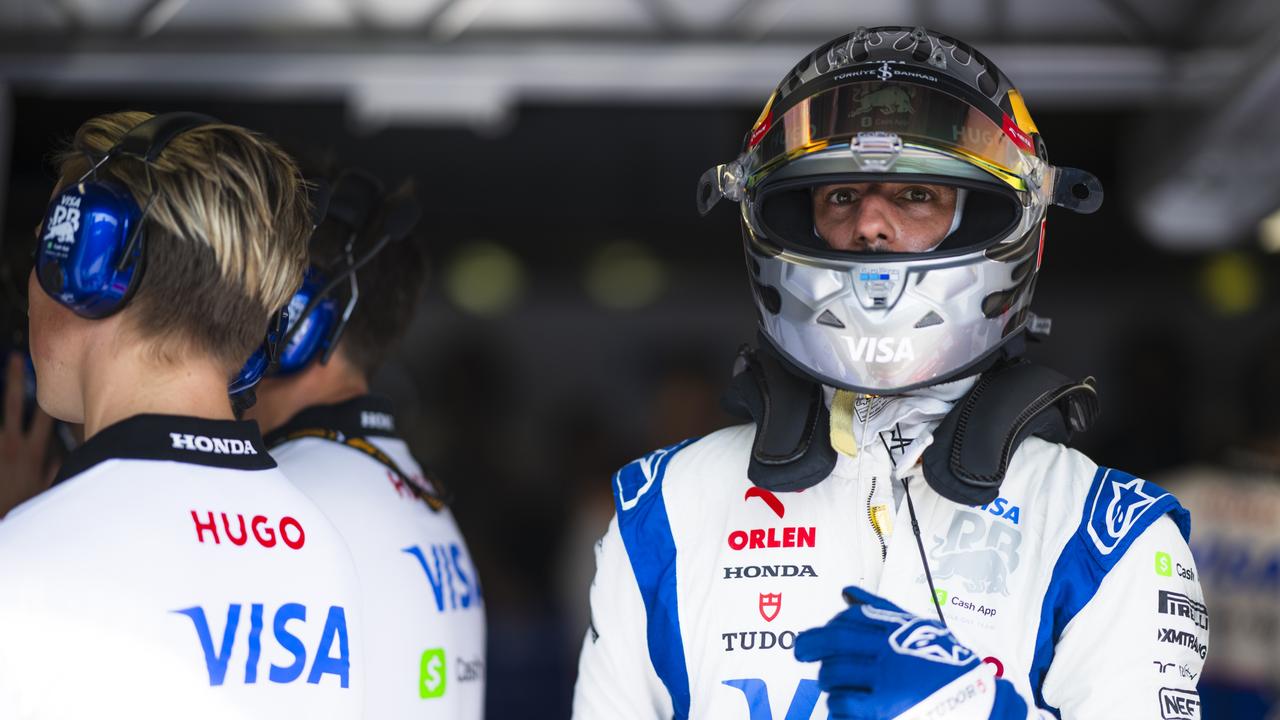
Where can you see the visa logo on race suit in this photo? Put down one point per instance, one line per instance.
(451, 575)
(326, 659)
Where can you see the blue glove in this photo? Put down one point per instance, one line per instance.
(879, 662)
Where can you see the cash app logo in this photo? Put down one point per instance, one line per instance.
(431, 677)
(940, 596)
(1164, 566)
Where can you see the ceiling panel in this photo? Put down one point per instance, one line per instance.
(199, 15)
(837, 17)
(615, 15)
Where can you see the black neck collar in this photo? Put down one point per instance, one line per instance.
(363, 416)
(229, 444)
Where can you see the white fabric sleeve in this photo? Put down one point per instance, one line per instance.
(616, 678)
(1135, 650)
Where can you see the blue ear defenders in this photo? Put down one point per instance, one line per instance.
(92, 246)
(317, 325)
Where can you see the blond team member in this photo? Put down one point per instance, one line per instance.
(173, 571)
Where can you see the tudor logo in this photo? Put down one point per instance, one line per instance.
(217, 445)
(880, 350)
(770, 605)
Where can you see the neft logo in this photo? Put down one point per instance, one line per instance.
(1172, 603)
(1178, 704)
(218, 446)
(738, 572)
(759, 539)
(325, 663)
(431, 675)
(446, 570)
(288, 530)
(1183, 638)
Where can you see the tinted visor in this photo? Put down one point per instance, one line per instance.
(919, 115)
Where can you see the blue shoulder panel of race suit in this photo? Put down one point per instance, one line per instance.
(1118, 508)
(646, 533)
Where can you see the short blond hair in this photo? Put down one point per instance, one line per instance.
(226, 235)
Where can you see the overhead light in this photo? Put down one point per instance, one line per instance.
(1231, 283)
(1269, 232)
(624, 275)
(484, 278)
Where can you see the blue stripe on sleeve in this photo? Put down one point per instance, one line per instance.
(646, 533)
(1118, 508)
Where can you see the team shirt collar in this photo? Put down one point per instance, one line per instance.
(363, 416)
(231, 444)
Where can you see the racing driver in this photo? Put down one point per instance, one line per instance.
(906, 469)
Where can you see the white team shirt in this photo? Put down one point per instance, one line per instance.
(1064, 583)
(173, 572)
(425, 620)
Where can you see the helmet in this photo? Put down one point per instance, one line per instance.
(890, 107)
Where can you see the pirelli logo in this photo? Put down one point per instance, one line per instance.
(217, 445)
(1179, 605)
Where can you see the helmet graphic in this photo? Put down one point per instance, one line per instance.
(927, 129)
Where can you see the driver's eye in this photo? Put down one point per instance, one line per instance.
(842, 197)
(917, 195)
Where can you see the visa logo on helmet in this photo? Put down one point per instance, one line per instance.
(880, 350)
(287, 644)
(218, 446)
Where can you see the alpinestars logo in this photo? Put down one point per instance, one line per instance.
(1186, 639)
(1177, 604)
(1120, 503)
(217, 446)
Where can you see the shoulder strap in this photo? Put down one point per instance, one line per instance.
(436, 496)
(791, 450)
(974, 443)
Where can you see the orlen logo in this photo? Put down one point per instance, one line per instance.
(218, 446)
(325, 662)
(761, 538)
(287, 530)
(880, 350)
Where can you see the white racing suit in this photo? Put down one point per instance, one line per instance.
(1063, 583)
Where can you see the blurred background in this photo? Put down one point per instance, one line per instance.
(580, 313)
